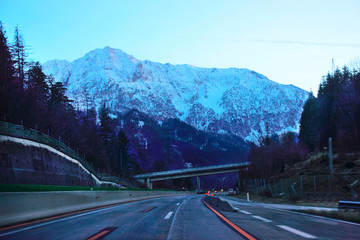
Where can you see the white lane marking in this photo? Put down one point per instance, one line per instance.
(262, 219)
(245, 212)
(297, 232)
(177, 204)
(168, 215)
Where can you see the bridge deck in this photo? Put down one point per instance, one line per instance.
(195, 170)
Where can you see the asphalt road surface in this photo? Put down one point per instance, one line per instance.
(182, 217)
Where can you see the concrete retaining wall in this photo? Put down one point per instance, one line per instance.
(27, 162)
(24, 206)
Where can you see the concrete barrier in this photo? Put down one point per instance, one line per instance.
(219, 203)
(24, 206)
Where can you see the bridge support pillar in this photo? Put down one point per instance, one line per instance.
(198, 183)
(148, 183)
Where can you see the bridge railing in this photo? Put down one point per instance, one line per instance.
(186, 170)
(20, 131)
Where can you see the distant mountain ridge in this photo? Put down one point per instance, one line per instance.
(235, 101)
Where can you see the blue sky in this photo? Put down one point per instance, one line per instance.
(290, 42)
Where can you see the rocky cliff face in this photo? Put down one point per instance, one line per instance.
(234, 101)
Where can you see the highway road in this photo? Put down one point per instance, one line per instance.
(182, 217)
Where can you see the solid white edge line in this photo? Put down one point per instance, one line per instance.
(262, 219)
(245, 212)
(168, 215)
(297, 232)
(172, 222)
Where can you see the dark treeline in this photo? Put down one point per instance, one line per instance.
(29, 97)
(334, 113)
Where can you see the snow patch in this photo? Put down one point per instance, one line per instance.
(188, 165)
(113, 116)
(141, 124)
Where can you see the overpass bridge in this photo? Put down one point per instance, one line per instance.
(190, 172)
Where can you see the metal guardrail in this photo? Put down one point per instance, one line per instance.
(349, 205)
(189, 170)
(20, 131)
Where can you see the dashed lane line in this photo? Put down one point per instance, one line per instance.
(177, 204)
(262, 219)
(297, 232)
(245, 212)
(168, 215)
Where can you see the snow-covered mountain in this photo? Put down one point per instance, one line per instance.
(237, 101)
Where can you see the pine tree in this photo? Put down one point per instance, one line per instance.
(36, 94)
(308, 123)
(57, 94)
(105, 123)
(6, 66)
(6, 72)
(37, 82)
(19, 56)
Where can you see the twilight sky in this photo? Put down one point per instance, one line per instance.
(290, 42)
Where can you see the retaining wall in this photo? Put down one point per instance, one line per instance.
(24, 161)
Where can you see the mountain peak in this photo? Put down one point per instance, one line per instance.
(237, 101)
